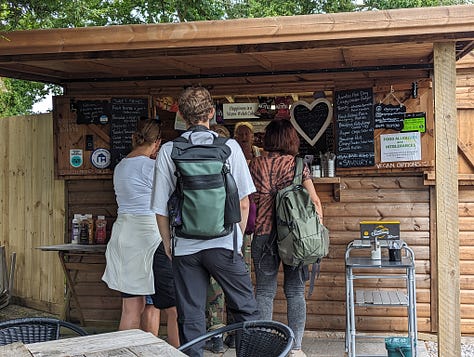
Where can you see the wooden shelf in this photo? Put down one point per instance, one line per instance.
(320, 180)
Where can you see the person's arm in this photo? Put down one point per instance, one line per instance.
(164, 228)
(244, 212)
(309, 186)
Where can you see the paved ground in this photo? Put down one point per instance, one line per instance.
(331, 344)
(315, 344)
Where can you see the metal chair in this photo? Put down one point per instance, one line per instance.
(35, 329)
(257, 338)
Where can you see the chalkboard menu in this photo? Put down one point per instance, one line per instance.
(389, 116)
(125, 114)
(92, 111)
(354, 128)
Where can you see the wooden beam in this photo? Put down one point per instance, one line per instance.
(447, 230)
(417, 24)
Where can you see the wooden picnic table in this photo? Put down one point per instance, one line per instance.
(120, 343)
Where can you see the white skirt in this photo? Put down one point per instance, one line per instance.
(129, 254)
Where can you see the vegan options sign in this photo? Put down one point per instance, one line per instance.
(400, 147)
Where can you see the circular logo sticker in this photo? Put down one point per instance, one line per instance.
(100, 158)
(104, 119)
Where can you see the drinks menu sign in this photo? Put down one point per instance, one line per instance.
(354, 128)
(125, 114)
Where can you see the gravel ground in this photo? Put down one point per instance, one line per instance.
(467, 347)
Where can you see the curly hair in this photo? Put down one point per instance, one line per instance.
(195, 104)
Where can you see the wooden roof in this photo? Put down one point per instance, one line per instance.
(245, 56)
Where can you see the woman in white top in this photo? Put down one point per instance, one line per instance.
(135, 235)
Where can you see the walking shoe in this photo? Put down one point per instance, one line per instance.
(230, 340)
(297, 353)
(215, 345)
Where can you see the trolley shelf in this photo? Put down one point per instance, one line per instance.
(381, 298)
(383, 268)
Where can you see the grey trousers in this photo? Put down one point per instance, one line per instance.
(266, 263)
(191, 273)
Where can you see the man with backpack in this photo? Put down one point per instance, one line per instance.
(200, 179)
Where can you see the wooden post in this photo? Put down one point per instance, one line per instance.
(449, 328)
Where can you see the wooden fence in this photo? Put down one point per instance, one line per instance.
(32, 206)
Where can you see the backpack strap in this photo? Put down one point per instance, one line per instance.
(315, 270)
(218, 140)
(298, 178)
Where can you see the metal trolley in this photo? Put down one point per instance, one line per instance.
(405, 269)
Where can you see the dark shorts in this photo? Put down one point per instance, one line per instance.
(165, 295)
(126, 296)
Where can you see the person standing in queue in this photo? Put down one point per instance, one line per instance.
(271, 173)
(135, 241)
(195, 260)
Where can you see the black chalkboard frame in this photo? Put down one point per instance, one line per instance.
(125, 114)
(354, 126)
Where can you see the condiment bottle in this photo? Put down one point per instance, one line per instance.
(100, 230)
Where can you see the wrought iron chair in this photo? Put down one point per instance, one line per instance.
(257, 338)
(36, 329)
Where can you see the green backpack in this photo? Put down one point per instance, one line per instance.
(301, 238)
(205, 204)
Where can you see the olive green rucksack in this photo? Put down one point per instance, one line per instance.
(205, 204)
(301, 237)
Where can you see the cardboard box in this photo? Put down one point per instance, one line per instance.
(380, 230)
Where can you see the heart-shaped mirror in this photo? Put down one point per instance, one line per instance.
(311, 120)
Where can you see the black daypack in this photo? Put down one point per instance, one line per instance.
(301, 237)
(205, 204)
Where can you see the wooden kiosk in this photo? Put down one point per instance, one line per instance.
(357, 61)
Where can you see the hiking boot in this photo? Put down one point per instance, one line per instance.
(230, 341)
(215, 345)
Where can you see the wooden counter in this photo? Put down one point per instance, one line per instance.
(88, 300)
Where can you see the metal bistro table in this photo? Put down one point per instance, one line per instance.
(404, 269)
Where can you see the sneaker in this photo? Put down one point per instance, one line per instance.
(230, 341)
(297, 353)
(215, 345)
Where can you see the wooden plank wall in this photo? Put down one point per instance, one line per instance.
(465, 105)
(369, 198)
(466, 256)
(31, 209)
(466, 215)
(99, 304)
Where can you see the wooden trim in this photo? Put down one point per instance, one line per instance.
(433, 263)
(449, 321)
(421, 24)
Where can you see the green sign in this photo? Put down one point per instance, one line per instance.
(414, 122)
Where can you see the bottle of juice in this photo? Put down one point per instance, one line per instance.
(91, 228)
(100, 230)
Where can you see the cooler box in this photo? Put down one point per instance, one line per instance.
(398, 347)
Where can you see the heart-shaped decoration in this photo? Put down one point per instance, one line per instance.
(311, 120)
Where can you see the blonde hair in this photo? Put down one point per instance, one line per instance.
(243, 124)
(195, 104)
(148, 131)
(221, 130)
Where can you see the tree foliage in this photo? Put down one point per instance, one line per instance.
(18, 97)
